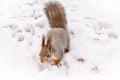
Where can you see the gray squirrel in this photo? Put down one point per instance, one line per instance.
(57, 40)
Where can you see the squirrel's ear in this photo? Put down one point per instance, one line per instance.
(43, 40)
(49, 44)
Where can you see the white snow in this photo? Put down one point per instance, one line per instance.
(94, 31)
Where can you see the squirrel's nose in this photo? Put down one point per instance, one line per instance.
(43, 60)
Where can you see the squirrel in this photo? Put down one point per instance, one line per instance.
(57, 41)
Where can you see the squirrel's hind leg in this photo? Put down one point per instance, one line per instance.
(67, 47)
(66, 50)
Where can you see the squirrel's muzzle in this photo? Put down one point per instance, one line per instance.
(43, 60)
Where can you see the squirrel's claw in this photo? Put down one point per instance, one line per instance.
(57, 63)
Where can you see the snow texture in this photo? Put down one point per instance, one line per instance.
(94, 30)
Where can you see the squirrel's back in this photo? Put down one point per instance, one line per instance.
(56, 15)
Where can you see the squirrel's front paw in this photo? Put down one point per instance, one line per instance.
(57, 63)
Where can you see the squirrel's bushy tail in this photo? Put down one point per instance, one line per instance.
(56, 15)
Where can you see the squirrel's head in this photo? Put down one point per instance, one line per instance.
(45, 53)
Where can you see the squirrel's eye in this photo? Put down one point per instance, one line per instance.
(48, 55)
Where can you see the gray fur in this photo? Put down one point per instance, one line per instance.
(59, 41)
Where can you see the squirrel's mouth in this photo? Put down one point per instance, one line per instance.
(42, 60)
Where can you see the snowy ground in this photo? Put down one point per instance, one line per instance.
(94, 29)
